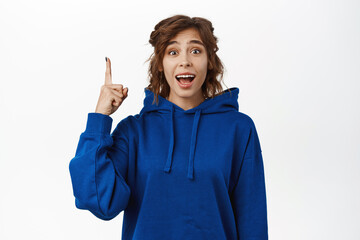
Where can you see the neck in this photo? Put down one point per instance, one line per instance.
(186, 103)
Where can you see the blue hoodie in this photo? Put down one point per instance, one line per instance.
(177, 174)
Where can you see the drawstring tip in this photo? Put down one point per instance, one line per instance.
(167, 169)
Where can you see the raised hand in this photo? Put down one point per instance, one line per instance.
(111, 95)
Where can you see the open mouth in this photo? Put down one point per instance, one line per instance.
(184, 79)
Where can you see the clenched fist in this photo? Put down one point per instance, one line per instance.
(111, 95)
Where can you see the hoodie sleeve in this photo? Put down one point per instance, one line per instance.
(249, 196)
(97, 171)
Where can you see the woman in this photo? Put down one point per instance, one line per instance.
(189, 165)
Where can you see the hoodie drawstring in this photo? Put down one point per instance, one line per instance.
(171, 145)
(192, 144)
(167, 167)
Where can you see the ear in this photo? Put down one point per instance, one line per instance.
(210, 66)
(160, 69)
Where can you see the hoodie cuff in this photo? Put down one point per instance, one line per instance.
(98, 123)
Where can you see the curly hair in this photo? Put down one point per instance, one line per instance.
(164, 31)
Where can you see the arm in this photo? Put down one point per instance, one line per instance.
(98, 185)
(249, 195)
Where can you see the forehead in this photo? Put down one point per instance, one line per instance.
(186, 35)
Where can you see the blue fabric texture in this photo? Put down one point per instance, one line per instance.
(176, 174)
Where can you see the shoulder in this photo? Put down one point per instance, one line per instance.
(125, 126)
(244, 120)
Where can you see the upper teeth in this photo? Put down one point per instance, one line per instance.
(184, 76)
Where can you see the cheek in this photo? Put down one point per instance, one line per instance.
(167, 69)
(167, 65)
(168, 72)
(204, 66)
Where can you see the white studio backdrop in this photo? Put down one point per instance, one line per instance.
(296, 63)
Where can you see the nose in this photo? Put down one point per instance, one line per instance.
(185, 61)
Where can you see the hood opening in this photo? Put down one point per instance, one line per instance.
(225, 102)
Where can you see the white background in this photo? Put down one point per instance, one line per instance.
(296, 63)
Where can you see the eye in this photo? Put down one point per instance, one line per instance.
(172, 52)
(198, 51)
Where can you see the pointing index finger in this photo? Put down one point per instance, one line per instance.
(108, 77)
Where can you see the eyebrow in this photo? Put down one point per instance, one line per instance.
(191, 41)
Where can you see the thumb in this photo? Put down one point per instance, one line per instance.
(125, 91)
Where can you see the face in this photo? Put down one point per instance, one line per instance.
(185, 55)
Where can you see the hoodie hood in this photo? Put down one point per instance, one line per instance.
(227, 101)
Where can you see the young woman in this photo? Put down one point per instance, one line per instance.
(189, 165)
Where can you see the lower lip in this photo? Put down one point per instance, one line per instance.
(185, 85)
